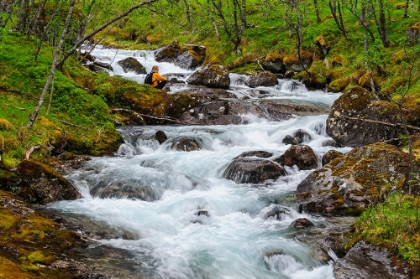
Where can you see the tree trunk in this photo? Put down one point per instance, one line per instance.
(382, 24)
(318, 17)
(99, 29)
(64, 35)
(407, 2)
(338, 18)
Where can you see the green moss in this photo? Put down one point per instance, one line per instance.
(39, 257)
(7, 220)
(394, 224)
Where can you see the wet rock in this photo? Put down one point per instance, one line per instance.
(103, 65)
(302, 136)
(212, 75)
(262, 79)
(274, 66)
(132, 64)
(188, 60)
(365, 261)
(168, 53)
(187, 56)
(276, 212)
(330, 142)
(185, 144)
(329, 156)
(290, 140)
(349, 183)
(252, 170)
(301, 223)
(160, 136)
(124, 191)
(259, 154)
(300, 155)
(41, 184)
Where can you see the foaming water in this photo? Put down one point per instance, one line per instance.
(186, 220)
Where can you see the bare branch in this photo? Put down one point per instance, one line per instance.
(396, 125)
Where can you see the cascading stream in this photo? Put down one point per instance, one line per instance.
(184, 218)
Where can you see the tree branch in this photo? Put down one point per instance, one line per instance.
(94, 32)
(165, 118)
(396, 125)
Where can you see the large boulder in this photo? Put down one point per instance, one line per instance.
(168, 53)
(302, 156)
(358, 118)
(365, 261)
(132, 64)
(41, 184)
(212, 75)
(354, 181)
(188, 56)
(253, 170)
(262, 79)
(188, 60)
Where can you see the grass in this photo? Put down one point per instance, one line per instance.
(394, 224)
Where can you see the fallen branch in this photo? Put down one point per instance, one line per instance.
(32, 149)
(396, 125)
(73, 125)
(165, 118)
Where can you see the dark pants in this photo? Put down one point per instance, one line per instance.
(161, 84)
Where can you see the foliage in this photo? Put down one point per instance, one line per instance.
(75, 112)
(394, 224)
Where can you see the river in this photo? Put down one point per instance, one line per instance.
(193, 223)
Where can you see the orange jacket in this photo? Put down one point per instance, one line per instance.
(156, 78)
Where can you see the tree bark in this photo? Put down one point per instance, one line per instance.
(53, 65)
(318, 17)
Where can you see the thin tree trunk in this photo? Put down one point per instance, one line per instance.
(382, 24)
(53, 65)
(318, 17)
(33, 23)
(94, 32)
(407, 2)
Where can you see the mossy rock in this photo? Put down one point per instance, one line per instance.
(349, 184)
(42, 184)
(181, 103)
(339, 84)
(5, 124)
(31, 243)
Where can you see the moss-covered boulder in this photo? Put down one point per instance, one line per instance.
(350, 183)
(132, 64)
(262, 79)
(358, 117)
(213, 75)
(41, 184)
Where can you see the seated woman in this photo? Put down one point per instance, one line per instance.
(158, 81)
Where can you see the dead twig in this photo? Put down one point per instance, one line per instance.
(73, 125)
(32, 149)
(18, 92)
